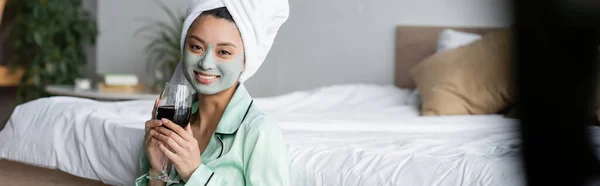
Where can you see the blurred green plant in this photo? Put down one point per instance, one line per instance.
(163, 51)
(47, 40)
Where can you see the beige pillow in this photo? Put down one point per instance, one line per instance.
(472, 79)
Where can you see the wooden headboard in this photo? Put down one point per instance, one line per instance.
(415, 43)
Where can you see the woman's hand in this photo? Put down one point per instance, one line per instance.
(184, 151)
(155, 156)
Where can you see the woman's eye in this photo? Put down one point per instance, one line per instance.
(196, 48)
(224, 52)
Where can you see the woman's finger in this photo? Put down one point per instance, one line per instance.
(177, 148)
(152, 124)
(188, 129)
(172, 156)
(153, 142)
(152, 133)
(169, 133)
(147, 126)
(147, 137)
(174, 127)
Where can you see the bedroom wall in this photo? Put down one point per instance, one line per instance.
(117, 50)
(324, 42)
(91, 50)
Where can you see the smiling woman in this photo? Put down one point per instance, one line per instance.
(228, 140)
(211, 61)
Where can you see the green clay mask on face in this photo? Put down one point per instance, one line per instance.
(209, 76)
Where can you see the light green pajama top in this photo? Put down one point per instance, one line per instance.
(247, 148)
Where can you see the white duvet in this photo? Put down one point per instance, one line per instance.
(337, 135)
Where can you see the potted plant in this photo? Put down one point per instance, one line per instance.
(163, 51)
(47, 40)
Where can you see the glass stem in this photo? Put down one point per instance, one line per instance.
(165, 163)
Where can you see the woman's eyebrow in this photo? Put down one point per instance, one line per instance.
(197, 38)
(227, 44)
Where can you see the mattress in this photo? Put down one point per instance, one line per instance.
(337, 135)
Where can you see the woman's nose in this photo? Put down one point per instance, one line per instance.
(208, 62)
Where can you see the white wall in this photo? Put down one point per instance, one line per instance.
(92, 7)
(324, 42)
(118, 51)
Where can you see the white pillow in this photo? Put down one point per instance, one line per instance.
(450, 39)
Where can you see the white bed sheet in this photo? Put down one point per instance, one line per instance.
(337, 135)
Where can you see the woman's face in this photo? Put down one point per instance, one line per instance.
(213, 58)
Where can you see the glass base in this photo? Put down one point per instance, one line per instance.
(163, 177)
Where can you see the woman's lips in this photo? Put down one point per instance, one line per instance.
(204, 78)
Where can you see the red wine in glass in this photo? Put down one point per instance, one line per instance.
(179, 116)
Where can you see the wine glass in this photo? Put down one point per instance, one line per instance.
(176, 105)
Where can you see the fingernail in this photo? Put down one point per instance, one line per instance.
(164, 121)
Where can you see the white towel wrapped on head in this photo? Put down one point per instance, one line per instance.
(257, 20)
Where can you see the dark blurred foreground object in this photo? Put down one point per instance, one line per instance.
(47, 40)
(556, 53)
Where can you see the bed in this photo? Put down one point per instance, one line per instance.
(354, 134)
